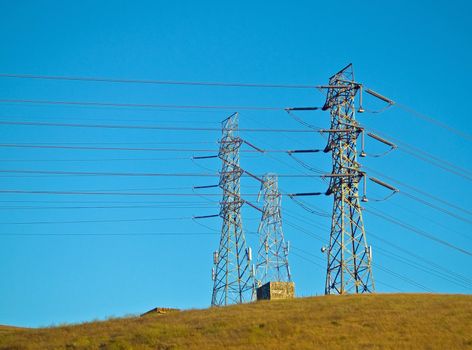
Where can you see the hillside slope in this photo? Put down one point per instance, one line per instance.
(7, 329)
(393, 321)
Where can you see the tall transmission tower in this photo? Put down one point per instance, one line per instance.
(272, 257)
(233, 273)
(349, 268)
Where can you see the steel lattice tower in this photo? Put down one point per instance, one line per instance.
(272, 257)
(233, 275)
(349, 268)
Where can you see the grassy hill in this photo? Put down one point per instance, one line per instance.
(7, 329)
(390, 321)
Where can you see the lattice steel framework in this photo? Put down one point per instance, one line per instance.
(233, 275)
(349, 268)
(272, 257)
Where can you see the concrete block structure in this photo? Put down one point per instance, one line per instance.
(276, 290)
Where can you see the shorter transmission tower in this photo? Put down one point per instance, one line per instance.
(233, 273)
(272, 257)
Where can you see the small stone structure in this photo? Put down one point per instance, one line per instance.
(276, 290)
(159, 311)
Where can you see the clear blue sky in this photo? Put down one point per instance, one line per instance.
(417, 53)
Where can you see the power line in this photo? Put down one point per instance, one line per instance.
(194, 194)
(134, 189)
(257, 121)
(451, 168)
(13, 145)
(459, 280)
(305, 231)
(431, 205)
(462, 283)
(310, 209)
(95, 160)
(430, 158)
(448, 276)
(85, 173)
(143, 105)
(106, 234)
(306, 259)
(102, 202)
(448, 228)
(127, 143)
(166, 206)
(305, 220)
(172, 234)
(301, 121)
(146, 127)
(321, 266)
(403, 278)
(306, 166)
(299, 228)
(91, 221)
(399, 276)
(388, 285)
(419, 231)
(111, 193)
(159, 82)
(436, 122)
(199, 150)
(299, 217)
(431, 264)
(422, 192)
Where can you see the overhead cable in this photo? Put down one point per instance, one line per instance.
(146, 127)
(140, 105)
(159, 82)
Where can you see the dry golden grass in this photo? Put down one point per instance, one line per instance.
(394, 321)
(6, 329)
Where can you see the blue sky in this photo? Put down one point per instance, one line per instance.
(416, 53)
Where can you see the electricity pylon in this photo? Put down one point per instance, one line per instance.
(233, 274)
(272, 257)
(349, 268)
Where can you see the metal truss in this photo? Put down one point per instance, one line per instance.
(349, 268)
(272, 257)
(233, 274)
